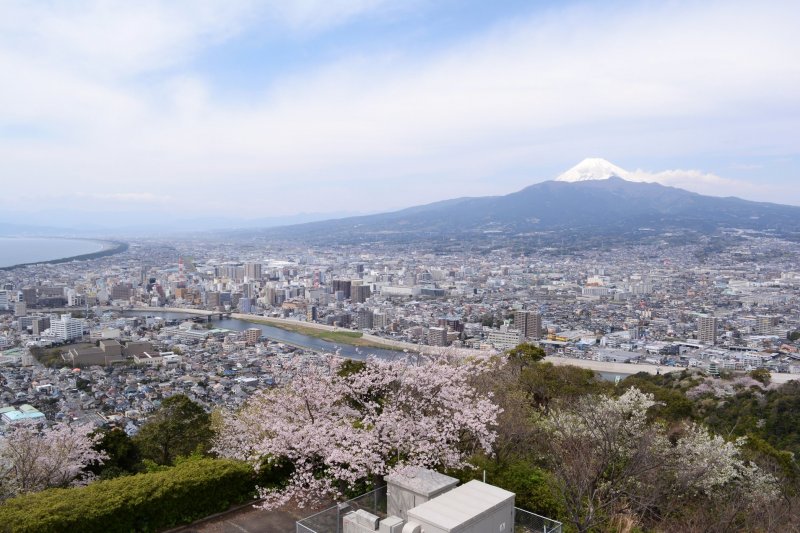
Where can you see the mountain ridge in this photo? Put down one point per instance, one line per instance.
(605, 205)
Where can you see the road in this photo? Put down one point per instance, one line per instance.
(629, 369)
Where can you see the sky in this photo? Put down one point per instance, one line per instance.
(125, 111)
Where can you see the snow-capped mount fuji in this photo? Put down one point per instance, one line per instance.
(593, 199)
(593, 168)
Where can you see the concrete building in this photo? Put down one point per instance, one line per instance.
(707, 329)
(364, 319)
(343, 285)
(253, 271)
(529, 324)
(251, 335)
(359, 293)
(437, 336)
(504, 338)
(67, 328)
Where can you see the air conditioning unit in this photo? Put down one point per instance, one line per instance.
(391, 524)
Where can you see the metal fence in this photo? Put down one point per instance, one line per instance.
(527, 522)
(330, 520)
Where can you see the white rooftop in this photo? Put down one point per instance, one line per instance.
(461, 505)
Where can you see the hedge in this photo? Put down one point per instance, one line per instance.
(144, 502)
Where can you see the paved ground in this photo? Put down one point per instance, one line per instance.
(250, 520)
(247, 521)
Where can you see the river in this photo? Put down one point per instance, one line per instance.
(281, 335)
(24, 250)
(607, 371)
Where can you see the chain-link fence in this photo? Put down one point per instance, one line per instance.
(527, 522)
(330, 520)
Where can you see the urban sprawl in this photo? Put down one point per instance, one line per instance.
(99, 340)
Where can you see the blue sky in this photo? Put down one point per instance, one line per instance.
(254, 109)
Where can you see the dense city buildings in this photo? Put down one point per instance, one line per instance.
(659, 308)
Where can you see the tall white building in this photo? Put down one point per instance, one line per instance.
(4, 300)
(67, 328)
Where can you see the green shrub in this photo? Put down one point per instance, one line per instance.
(143, 502)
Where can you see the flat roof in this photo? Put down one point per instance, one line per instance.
(15, 416)
(421, 481)
(462, 505)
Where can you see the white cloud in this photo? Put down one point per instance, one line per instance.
(707, 183)
(693, 180)
(667, 80)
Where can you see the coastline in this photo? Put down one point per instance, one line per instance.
(108, 248)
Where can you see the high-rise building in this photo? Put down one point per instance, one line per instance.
(253, 271)
(707, 329)
(342, 285)
(529, 324)
(121, 291)
(359, 293)
(4, 300)
(765, 324)
(29, 296)
(39, 324)
(67, 328)
(212, 299)
(364, 319)
(378, 320)
(437, 336)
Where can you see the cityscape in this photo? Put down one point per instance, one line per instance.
(144, 315)
(421, 267)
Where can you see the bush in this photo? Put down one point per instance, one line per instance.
(533, 486)
(144, 502)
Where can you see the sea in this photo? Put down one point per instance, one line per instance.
(21, 250)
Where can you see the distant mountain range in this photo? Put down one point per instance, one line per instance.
(592, 198)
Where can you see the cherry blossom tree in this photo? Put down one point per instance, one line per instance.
(337, 427)
(33, 459)
(608, 460)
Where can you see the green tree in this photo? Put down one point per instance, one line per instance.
(525, 354)
(178, 428)
(123, 455)
(544, 382)
(762, 375)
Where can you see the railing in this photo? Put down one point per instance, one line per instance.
(527, 522)
(330, 520)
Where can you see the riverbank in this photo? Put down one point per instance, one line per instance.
(365, 340)
(625, 369)
(339, 336)
(108, 248)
